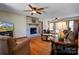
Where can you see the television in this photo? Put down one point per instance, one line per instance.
(6, 26)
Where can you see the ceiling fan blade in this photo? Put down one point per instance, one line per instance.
(39, 13)
(41, 9)
(30, 6)
(27, 10)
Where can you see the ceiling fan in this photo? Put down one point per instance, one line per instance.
(35, 10)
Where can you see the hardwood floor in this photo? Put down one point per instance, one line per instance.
(38, 46)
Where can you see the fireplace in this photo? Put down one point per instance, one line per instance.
(33, 30)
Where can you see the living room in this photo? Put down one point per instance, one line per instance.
(35, 30)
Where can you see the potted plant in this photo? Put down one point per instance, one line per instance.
(61, 37)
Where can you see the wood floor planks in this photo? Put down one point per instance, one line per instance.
(38, 46)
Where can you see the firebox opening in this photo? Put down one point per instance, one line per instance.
(33, 30)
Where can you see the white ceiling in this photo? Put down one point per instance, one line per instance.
(53, 10)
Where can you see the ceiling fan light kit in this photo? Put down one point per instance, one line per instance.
(33, 11)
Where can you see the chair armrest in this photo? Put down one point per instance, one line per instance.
(19, 46)
(22, 48)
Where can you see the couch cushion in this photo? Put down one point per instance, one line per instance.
(11, 43)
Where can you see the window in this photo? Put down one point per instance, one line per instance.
(60, 26)
(51, 26)
(71, 25)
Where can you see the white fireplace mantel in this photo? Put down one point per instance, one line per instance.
(30, 25)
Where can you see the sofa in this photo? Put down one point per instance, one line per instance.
(15, 48)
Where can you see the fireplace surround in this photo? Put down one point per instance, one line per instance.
(32, 26)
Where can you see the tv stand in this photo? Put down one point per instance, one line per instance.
(7, 33)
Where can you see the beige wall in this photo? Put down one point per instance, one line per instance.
(19, 22)
(76, 25)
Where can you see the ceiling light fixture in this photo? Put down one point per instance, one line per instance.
(33, 11)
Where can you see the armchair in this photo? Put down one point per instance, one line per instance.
(22, 48)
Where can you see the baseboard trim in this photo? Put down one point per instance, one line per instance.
(26, 37)
(20, 37)
(34, 37)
